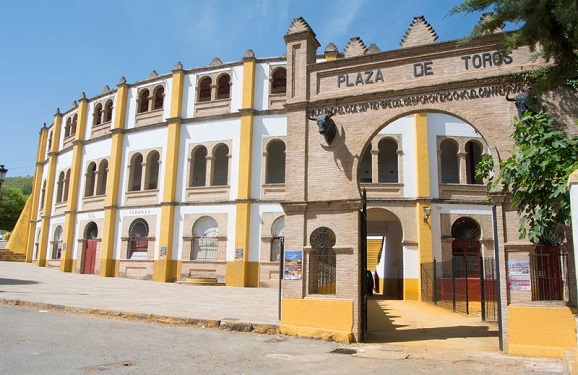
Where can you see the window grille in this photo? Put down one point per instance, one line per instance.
(138, 242)
(322, 262)
(205, 239)
(549, 274)
(277, 231)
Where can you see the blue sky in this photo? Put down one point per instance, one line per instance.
(52, 51)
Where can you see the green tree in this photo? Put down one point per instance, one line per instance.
(548, 27)
(536, 176)
(22, 183)
(12, 202)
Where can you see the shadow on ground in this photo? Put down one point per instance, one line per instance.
(397, 321)
(16, 282)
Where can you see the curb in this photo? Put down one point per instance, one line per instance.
(224, 324)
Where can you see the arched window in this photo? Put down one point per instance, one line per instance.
(159, 96)
(152, 173)
(57, 243)
(322, 262)
(108, 111)
(387, 161)
(143, 101)
(90, 180)
(205, 239)
(42, 195)
(224, 87)
(205, 89)
(449, 162)
(221, 165)
(97, 114)
(277, 233)
(135, 172)
(279, 81)
(102, 177)
(60, 187)
(198, 173)
(138, 232)
(49, 141)
(365, 166)
(91, 231)
(275, 173)
(73, 124)
(473, 157)
(66, 185)
(67, 127)
(466, 249)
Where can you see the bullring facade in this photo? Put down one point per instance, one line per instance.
(216, 171)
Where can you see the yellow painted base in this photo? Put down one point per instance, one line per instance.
(411, 289)
(326, 319)
(242, 274)
(165, 270)
(109, 268)
(541, 331)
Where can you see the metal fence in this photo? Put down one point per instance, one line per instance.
(466, 285)
(549, 275)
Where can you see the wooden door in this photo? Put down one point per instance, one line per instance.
(90, 257)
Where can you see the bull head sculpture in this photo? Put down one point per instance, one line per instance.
(326, 126)
(520, 101)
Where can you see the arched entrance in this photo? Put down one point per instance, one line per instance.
(90, 235)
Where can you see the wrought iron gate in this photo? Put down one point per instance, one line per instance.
(462, 285)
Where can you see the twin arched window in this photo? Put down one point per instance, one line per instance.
(206, 92)
(150, 178)
(102, 114)
(217, 166)
(451, 159)
(148, 102)
(62, 186)
(70, 127)
(387, 163)
(96, 178)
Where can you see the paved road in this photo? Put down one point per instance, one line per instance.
(34, 342)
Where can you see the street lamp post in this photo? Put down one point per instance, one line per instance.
(2, 176)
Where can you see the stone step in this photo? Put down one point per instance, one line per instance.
(10, 256)
(206, 281)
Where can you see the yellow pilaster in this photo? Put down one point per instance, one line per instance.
(240, 272)
(35, 195)
(422, 170)
(49, 192)
(73, 189)
(165, 267)
(108, 266)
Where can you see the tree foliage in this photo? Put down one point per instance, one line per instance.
(22, 183)
(536, 175)
(12, 203)
(548, 27)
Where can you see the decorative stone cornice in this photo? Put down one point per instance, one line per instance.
(105, 90)
(299, 25)
(419, 33)
(178, 67)
(216, 62)
(153, 74)
(355, 47)
(373, 49)
(249, 55)
(122, 81)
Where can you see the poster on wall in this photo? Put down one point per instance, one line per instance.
(293, 262)
(519, 275)
(239, 254)
(163, 254)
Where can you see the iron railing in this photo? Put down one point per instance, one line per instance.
(465, 285)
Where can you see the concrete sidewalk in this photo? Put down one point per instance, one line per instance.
(245, 309)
